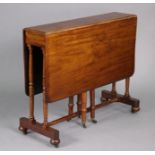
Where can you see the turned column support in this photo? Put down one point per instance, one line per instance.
(127, 83)
(83, 108)
(92, 105)
(31, 84)
(45, 104)
(79, 104)
(114, 92)
(71, 106)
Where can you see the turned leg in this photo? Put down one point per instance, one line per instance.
(70, 106)
(92, 105)
(45, 113)
(114, 92)
(135, 104)
(31, 85)
(79, 104)
(84, 110)
(127, 82)
(31, 91)
(45, 104)
(22, 129)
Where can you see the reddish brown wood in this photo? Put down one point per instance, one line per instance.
(31, 87)
(79, 104)
(127, 83)
(104, 44)
(62, 119)
(71, 106)
(114, 88)
(123, 99)
(84, 108)
(75, 56)
(26, 124)
(45, 104)
(74, 24)
(92, 105)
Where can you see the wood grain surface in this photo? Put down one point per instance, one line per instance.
(82, 54)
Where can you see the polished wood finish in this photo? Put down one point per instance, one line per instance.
(114, 88)
(45, 104)
(53, 28)
(104, 44)
(88, 45)
(31, 87)
(26, 124)
(127, 82)
(83, 108)
(92, 105)
(79, 104)
(71, 106)
(126, 99)
(70, 58)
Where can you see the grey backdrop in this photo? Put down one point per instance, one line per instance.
(117, 128)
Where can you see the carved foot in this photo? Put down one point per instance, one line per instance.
(37, 127)
(135, 106)
(135, 109)
(23, 130)
(55, 142)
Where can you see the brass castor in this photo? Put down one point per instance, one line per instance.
(55, 142)
(135, 109)
(84, 125)
(94, 121)
(23, 130)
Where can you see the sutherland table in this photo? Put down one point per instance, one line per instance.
(72, 57)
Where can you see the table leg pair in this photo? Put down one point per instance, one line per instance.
(112, 96)
(82, 106)
(107, 97)
(31, 123)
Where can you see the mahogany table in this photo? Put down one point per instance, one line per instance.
(72, 57)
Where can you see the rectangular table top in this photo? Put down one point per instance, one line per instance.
(78, 23)
(83, 54)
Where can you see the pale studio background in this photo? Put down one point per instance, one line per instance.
(117, 128)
